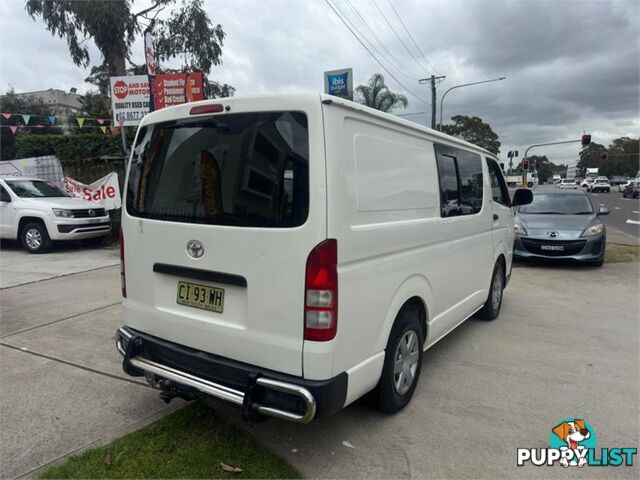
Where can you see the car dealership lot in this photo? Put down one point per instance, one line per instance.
(565, 345)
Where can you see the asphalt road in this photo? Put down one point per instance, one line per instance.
(625, 212)
(565, 345)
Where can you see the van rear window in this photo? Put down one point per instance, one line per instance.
(244, 170)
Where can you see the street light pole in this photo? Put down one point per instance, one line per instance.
(464, 85)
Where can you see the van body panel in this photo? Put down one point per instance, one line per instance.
(262, 323)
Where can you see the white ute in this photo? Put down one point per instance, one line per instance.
(37, 212)
(289, 254)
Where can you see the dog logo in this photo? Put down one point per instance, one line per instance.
(195, 249)
(572, 433)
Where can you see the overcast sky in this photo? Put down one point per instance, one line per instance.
(571, 66)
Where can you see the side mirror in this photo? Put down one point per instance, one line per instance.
(603, 211)
(523, 196)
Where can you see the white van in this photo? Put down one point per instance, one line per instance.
(291, 253)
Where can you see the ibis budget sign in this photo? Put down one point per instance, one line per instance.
(339, 83)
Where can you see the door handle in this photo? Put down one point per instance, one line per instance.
(495, 217)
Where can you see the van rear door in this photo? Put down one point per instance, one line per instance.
(221, 213)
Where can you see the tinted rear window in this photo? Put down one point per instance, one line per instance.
(245, 169)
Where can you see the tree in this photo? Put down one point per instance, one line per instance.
(187, 33)
(95, 104)
(376, 94)
(544, 167)
(473, 130)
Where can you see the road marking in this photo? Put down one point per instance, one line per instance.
(635, 211)
(617, 208)
(637, 222)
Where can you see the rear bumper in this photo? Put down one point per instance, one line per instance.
(257, 391)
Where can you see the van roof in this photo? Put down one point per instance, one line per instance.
(401, 121)
(171, 113)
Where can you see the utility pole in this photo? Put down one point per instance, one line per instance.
(433, 80)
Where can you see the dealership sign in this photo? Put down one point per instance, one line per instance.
(104, 192)
(339, 83)
(129, 99)
(176, 88)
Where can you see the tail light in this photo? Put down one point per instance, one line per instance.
(123, 281)
(321, 292)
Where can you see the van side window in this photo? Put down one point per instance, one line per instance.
(499, 191)
(460, 175)
(4, 195)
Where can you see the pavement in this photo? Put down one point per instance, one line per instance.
(18, 268)
(565, 345)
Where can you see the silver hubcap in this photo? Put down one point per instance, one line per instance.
(406, 362)
(33, 238)
(496, 291)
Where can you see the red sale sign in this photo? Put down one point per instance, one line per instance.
(171, 89)
(104, 192)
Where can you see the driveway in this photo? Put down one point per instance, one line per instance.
(565, 345)
(17, 267)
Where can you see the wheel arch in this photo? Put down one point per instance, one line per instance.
(30, 218)
(414, 290)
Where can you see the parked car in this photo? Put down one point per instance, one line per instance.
(601, 184)
(632, 189)
(567, 184)
(617, 180)
(560, 224)
(578, 181)
(263, 263)
(37, 212)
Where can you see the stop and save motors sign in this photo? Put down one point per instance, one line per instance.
(129, 99)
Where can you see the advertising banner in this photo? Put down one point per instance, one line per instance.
(339, 83)
(176, 88)
(104, 192)
(129, 99)
(45, 168)
(149, 53)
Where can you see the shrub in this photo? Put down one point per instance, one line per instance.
(67, 147)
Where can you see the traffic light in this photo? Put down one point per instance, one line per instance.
(525, 164)
(586, 140)
(604, 155)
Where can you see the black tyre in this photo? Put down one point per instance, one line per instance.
(492, 306)
(35, 238)
(402, 362)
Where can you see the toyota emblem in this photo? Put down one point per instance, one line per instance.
(195, 249)
(552, 234)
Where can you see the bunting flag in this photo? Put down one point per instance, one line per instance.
(100, 121)
(26, 118)
(7, 115)
(104, 129)
(52, 119)
(13, 129)
(114, 130)
(80, 121)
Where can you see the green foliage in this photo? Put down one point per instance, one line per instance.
(67, 147)
(544, 167)
(376, 94)
(96, 104)
(218, 90)
(190, 443)
(623, 157)
(474, 130)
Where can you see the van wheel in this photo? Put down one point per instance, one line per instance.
(35, 238)
(402, 362)
(492, 306)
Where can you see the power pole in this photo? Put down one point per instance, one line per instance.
(433, 80)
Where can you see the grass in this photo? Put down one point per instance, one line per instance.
(189, 443)
(617, 253)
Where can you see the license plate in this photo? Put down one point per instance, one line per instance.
(555, 248)
(200, 296)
